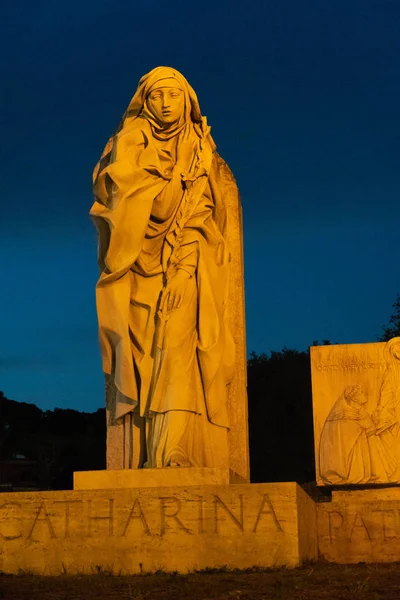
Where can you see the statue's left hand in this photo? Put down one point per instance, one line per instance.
(174, 291)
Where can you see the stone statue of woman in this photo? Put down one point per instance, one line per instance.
(161, 213)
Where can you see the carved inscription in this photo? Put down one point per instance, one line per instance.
(42, 517)
(335, 520)
(96, 518)
(201, 515)
(137, 513)
(369, 525)
(219, 503)
(354, 366)
(68, 503)
(267, 508)
(173, 506)
(357, 524)
(155, 516)
(389, 521)
(4, 507)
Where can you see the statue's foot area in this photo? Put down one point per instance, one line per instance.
(178, 459)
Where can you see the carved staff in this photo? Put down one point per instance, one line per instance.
(185, 211)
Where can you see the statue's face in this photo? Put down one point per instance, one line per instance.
(167, 104)
(360, 396)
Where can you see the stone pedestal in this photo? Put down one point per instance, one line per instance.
(140, 478)
(360, 526)
(175, 528)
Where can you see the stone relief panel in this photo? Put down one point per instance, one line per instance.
(356, 405)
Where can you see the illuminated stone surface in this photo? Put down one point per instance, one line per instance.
(137, 478)
(170, 298)
(356, 404)
(360, 526)
(170, 528)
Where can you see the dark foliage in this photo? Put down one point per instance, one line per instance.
(280, 417)
(57, 441)
(393, 329)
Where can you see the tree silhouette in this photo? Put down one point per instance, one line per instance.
(280, 417)
(57, 442)
(393, 329)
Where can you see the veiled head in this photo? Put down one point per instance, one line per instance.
(164, 78)
(166, 102)
(355, 393)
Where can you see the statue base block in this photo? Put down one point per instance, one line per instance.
(360, 526)
(176, 528)
(138, 478)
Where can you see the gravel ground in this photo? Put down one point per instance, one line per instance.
(322, 581)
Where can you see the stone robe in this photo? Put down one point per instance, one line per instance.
(344, 451)
(180, 386)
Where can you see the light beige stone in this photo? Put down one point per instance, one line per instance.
(360, 526)
(356, 405)
(137, 478)
(146, 529)
(170, 298)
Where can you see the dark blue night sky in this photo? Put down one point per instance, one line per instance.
(303, 99)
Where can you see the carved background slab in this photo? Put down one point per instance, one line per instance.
(239, 460)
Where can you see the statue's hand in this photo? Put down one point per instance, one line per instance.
(377, 414)
(175, 290)
(187, 147)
